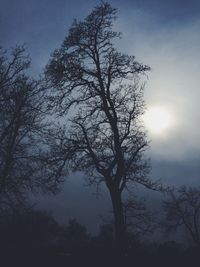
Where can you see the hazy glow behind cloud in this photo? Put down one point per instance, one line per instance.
(173, 54)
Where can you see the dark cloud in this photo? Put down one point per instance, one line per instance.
(177, 172)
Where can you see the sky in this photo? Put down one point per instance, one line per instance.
(162, 34)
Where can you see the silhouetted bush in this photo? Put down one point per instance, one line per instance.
(74, 237)
(30, 230)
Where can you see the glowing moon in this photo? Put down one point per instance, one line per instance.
(157, 120)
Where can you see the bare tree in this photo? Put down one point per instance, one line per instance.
(138, 219)
(183, 209)
(21, 118)
(97, 95)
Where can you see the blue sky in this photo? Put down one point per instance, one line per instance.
(162, 34)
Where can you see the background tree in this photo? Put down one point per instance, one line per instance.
(97, 95)
(21, 117)
(28, 238)
(183, 209)
(138, 219)
(75, 237)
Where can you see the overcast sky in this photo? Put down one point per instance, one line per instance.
(162, 34)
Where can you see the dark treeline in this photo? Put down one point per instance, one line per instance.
(34, 238)
(84, 114)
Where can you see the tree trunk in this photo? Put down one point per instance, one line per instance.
(119, 221)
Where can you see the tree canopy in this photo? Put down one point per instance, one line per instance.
(21, 123)
(97, 92)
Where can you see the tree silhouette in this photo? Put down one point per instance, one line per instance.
(105, 236)
(74, 237)
(183, 209)
(30, 233)
(139, 220)
(96, 93)
(21, 117)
